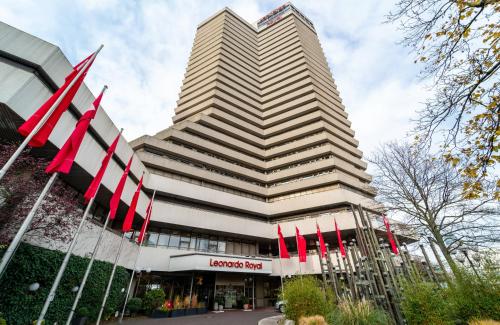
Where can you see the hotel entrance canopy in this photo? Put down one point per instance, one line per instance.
(220, 263)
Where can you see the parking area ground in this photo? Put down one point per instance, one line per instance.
(237, 317)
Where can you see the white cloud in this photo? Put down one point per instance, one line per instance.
(147, 45)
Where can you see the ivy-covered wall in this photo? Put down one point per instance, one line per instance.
(35, 264)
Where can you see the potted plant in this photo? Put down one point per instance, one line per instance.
(220, 301)
(153, 299)
(178, 307)
(134, 306)
(82, 315)
(245, 301)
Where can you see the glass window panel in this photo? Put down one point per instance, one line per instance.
(212, 244)
(192, 243)
(203, 243)
(229, 247)
(252, 250)
(221, 246)
(152, 238)
(237, 248)
(185, 240)
(244, 249)
(174, 239)
(163, 239)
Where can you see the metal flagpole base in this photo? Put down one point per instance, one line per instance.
(87, 272)
(108, 288)
(11, 250)
(63, 266)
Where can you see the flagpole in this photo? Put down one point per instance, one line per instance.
(135, 267)
(64, 264)
(11, 250)
(281, 268)
(298, 254)
(108, 288)
(44, 119)
(87, 272)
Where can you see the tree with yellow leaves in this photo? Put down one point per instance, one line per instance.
(457, 41)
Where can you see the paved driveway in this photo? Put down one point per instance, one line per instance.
(237, 317)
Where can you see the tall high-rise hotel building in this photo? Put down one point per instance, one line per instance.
(259, 128)
(260, 137)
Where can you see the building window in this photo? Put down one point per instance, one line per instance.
(163, 239)
(192, 243)
(174, 239)
(221, 246)
(185, 240)
(229, 247)
(237, 248)
(152, 239)
(244, 249)
(212, 244)
(203, 243)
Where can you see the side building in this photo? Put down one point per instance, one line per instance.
(260, 137)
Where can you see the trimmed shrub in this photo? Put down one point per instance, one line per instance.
(153, 299)
(35, 264)
(359, 313)
(134, 305)
(425, 303)
(304, 297)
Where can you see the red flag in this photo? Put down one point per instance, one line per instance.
(64, 159)
(40, 138)
(301, 246)
(94, 185)
(129, 218)
(390, 237)
(145, 224)
(115, 199)
(281, 241)
(339, 238)
(322, 245)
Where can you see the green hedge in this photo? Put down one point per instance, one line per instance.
(34, 264)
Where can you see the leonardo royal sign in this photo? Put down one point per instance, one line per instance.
(220, 263)
(236, 264)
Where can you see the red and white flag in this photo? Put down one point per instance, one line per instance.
(322, 245)
(96, 182)
(301, 246)
(339, 239)
(129, 218)
(64, 159)
(40, 138)
(145, 224)
(115, 199)
(390, 237)
(282, 245)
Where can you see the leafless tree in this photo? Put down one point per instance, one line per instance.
(426, 193)
(458, 43)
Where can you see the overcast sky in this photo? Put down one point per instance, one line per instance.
(147, 45)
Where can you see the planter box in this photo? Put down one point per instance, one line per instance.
(178, 312)
(202, 310)
(191, 311)
(160, 314)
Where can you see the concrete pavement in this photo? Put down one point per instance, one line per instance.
(238, 317)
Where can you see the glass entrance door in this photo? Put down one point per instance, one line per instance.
(229, 295)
